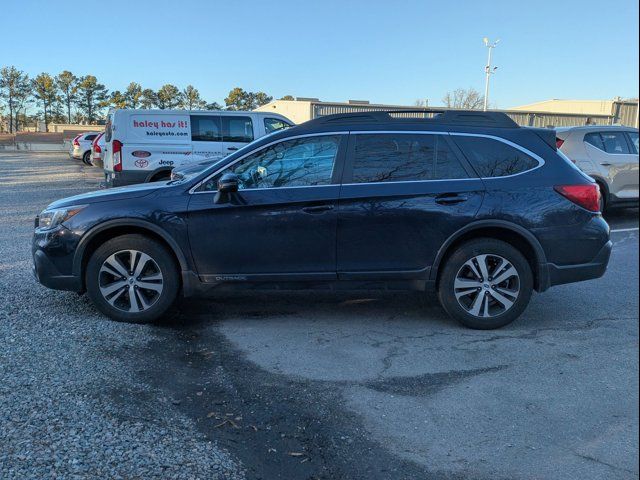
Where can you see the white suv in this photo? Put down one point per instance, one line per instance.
(81, 146)
(609, 155)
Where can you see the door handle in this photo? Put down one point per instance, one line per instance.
(605, 164)
(233, 149)
(451, 199)
(318, 209)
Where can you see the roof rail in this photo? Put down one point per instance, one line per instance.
(448, 117)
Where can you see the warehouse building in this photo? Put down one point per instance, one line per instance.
(551, 113)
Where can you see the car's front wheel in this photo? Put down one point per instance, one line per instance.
(485, 284)
(132, 278)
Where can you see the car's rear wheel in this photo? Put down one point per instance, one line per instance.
(132, 278)
(485, 284)
(86, 158)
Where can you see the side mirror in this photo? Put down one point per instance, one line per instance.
(227, 184)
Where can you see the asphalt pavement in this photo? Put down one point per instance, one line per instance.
(309, 385)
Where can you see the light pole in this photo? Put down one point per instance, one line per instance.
(488, 71)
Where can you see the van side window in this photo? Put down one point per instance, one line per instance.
(404, 157)
(237, 129)
(275, 124)
(206, 128)
(492, 158)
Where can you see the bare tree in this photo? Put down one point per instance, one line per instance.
(467, 99)
(421, 103)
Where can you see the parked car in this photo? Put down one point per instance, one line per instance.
(81, 146)
(609, 155)
(145, 145)
(467, 204)
(97, 152)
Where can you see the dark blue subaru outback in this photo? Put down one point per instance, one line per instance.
(465, 203)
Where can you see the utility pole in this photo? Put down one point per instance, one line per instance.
(488, 71)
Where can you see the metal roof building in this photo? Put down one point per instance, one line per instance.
(303, 109)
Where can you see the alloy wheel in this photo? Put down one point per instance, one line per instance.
(130, 281)
(487, 286)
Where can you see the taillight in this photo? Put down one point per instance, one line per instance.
(586, 196)
(559, 142)
(75, 142)
(117, 155)
(96, 147)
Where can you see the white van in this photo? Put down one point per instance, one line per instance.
(145, 145)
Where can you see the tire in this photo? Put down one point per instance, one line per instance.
(603, 198)
(460, 290)
(110, 284)
(86, 158)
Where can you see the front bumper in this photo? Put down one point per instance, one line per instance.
(52, 253)
(48, 275)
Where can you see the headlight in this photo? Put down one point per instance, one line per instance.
(50, 219)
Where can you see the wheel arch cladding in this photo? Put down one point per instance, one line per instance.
(112, 229)
(513, 234)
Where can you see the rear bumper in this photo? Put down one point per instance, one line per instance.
(623, 202)
(121, 179)
(562, 274)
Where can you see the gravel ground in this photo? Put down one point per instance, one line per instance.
(70, 407)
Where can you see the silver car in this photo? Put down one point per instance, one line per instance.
(609, 154)
(81, 146)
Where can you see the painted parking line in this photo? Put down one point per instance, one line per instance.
(619, 230)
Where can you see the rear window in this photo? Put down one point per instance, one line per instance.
(237, 129)
(493, 158)
(404, 157)
(107, 129)
(206, 128)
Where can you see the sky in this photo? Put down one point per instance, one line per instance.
(391, 52)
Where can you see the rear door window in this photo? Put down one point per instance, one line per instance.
(237, 129)
(206, 128)
(493, 158)
(615, 142)
(404, 157)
